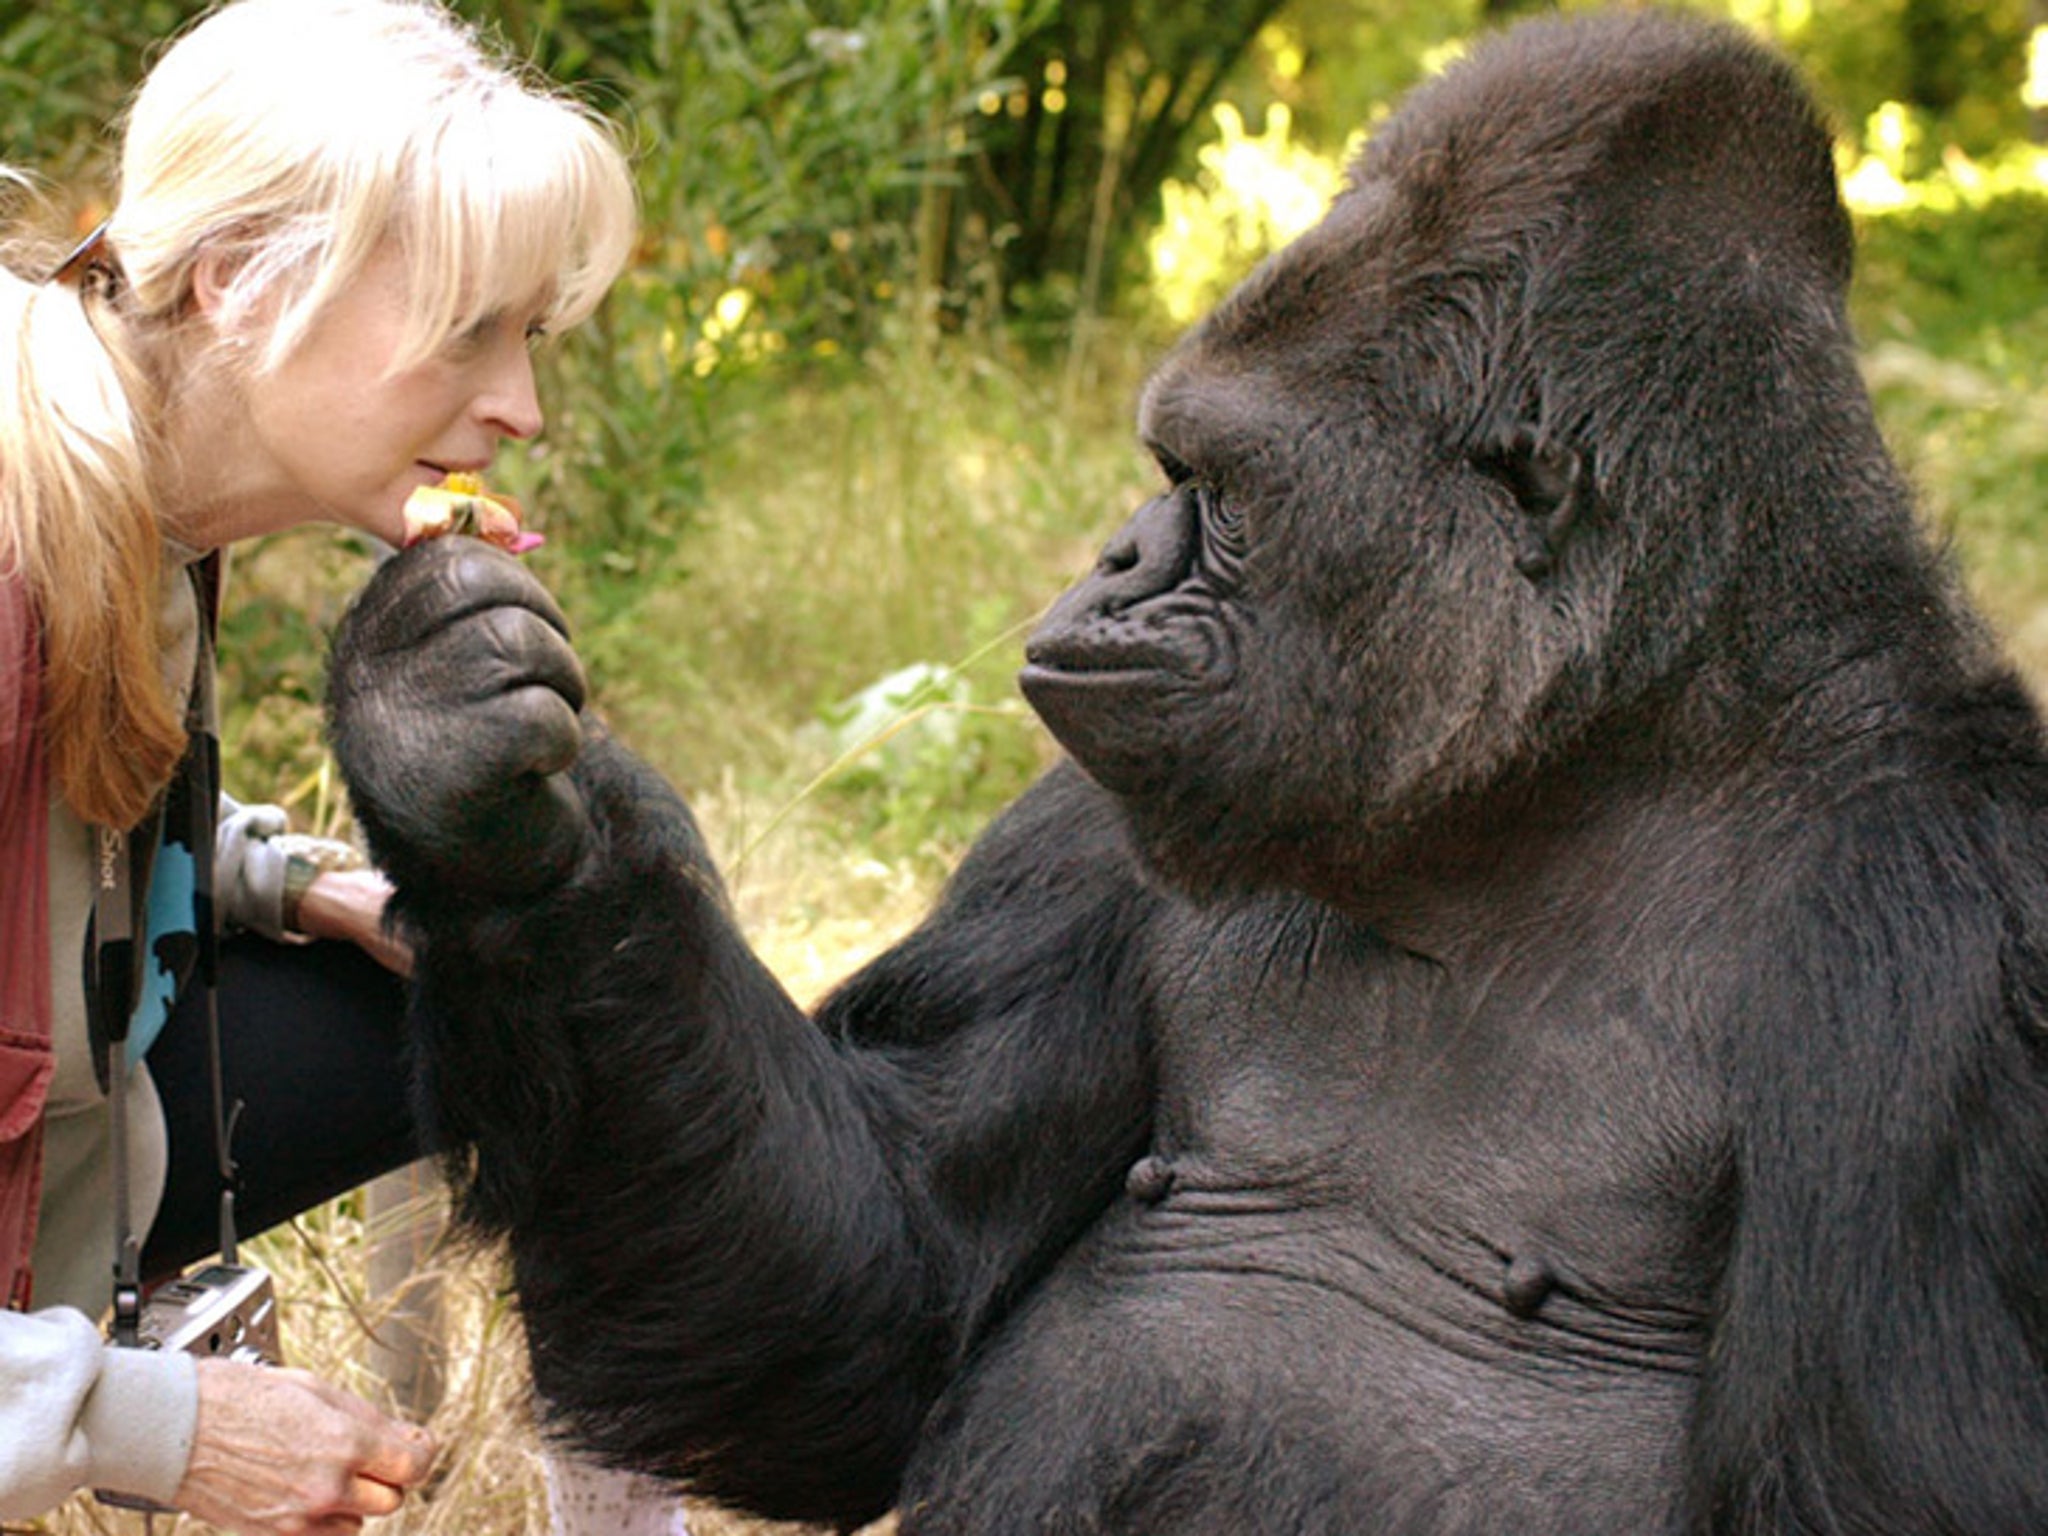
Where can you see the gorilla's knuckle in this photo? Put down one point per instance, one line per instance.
(514, 636)
(540, 724)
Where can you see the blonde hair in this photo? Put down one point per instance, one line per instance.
(297, 138)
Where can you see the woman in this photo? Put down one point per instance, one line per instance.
(338, 228)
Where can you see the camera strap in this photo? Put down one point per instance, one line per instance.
(116, 977)
(120, 935)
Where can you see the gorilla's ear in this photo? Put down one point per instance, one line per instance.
(1552, 487)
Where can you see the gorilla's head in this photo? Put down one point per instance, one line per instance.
(1545, 410)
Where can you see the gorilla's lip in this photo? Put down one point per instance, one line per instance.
(1131, 661)
(1043, 677)
(1077, 654)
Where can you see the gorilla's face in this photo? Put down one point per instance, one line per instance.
(1513, 438)
(1343, 607)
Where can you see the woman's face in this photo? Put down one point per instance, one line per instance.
(333, 435)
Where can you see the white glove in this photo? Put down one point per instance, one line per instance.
(260, 871)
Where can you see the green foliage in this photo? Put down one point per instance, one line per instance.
(1252, 193)
(1961, 65)
(1110, 93)
(921, 759)
(788, 147)
(922, 507)
(1339, 65)
(1951, 300)
(1954, 307)
(616, 480)
(1971, 279)
(65, 68)
(286, 593)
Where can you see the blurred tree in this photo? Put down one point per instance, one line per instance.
(1107, 93)
(2035, 93)
(809, 150)
(1959, 67)
(2036, 89)
(1339, 64)
(65, 67)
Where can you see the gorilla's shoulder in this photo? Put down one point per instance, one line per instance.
(1041, 914)
(1065, 829)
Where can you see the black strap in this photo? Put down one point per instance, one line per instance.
(123, 866)
(119, 934)
(201, 716)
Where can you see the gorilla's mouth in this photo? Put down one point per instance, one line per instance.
(1193, 651)
(1077, 695)
(1035, 675)
(1112, 696)
(1100, 665)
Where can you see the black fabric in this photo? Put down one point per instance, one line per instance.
(153, 924)
(312, 1041)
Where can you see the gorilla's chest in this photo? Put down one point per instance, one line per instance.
(1497, 1150)
(1444, 1246)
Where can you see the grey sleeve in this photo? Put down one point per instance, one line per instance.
(75, 1412)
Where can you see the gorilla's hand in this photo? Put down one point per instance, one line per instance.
(452, 704)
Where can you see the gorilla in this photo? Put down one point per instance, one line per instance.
(1524, 1008)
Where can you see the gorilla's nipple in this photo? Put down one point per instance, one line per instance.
(1530, 1280)
(1150, 1179)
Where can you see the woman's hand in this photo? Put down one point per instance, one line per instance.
(349, 904)
(278, 1452)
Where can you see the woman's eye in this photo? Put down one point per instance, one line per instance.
(474, 336)
(485, 330)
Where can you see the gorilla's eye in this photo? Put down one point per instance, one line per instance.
(1177, 473)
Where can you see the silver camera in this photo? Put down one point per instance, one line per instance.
(224, 1309)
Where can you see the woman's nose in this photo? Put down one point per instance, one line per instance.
(510, 403)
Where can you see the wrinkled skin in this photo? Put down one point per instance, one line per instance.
(1524, 1013)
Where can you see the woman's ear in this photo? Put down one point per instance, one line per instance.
(224, 316)
(213, 280)
(212, 276)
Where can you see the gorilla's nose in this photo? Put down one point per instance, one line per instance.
(1150, 554)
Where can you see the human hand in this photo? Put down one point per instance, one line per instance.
(349, 904)
(278, 1452)
(453, 697)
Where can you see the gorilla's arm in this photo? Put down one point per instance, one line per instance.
(1877, 1363)
(846, 1209)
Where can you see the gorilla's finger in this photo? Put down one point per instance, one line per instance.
(439, 583)
(529, 730)
(473, 662)
(532, 652)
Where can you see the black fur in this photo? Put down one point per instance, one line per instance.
(1527, 1017)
